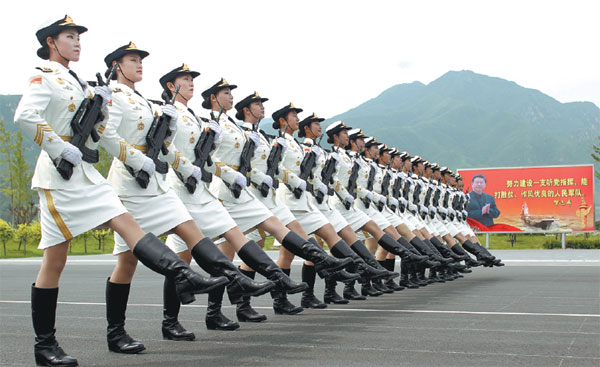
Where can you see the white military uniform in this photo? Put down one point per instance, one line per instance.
(399, 175)
(381, 171)
(446, 193)
(361, 186)
(247, 211)
(156, 208)
(86, 200)
(309, 216)
(355, 217)
(208, 213)
(434, 218)
(333, 216)
(412, 212)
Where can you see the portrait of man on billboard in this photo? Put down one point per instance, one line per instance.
(482, 206)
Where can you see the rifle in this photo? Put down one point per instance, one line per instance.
(385, 188)
(155, 140)
(202, 150)
(83, 124)
(272, 168)
(245, 163)
(370, 182)
(396, 190)
(352, 182)
(306, 167)
(327, 178)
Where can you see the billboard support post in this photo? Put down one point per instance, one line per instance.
(487, 241)
(563, 240)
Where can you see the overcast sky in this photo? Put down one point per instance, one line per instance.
(325, 56)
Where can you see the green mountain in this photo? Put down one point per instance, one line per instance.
(468, 120)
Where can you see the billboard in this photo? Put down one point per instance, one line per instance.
(531, 199)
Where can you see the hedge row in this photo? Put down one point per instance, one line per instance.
(575, 243)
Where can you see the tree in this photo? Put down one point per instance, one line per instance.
(28, 232)
(596, 156)
(15, 177)
(84, 236)
(6, 233)
(100, 234)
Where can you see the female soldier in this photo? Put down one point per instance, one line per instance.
(156, 207)
(347, 176)
(251, 111)
(69, 207)
(207, 211)
(245, 209)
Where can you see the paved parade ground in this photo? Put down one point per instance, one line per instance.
(542, 309)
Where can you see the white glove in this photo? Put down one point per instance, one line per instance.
(369, 196)
(268, 180)
(413, 208)
(336, 156)
(383, 200)
(315, 149)
(197, 174)
(403, 201)
(240, 179)
(394, 202)
(324, 189)
(443, 211)
(465, 213)
(104, 92)
(170, 111)
(217, 129)
(148, 166)
(283, 143)
(71, 154)
(255, 137)
(349, 200)
(302, 185)
(432, 209)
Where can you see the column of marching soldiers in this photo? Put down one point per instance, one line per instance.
(220, 178)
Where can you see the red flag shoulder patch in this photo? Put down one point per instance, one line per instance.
(35, 80)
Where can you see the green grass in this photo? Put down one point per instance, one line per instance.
(77, 248)
(524, 241)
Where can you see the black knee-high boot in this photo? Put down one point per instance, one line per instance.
(405, 280)
(213, 261)
(171, 328)
(116, 305)
(389, 264)
(309, 300)
(324, 264)
(215, 320)
(158, 257)
(281, 304)
(46, 350)
(244, 311)
(378, 284)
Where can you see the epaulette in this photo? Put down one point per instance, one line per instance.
(117, 90)
(327, 150)
(47, 70)
(204, 119)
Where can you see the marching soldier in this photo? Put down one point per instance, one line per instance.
(206, 210)
(82, 200)
(248, 212)
(154, 205)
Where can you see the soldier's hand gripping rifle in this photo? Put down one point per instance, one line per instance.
(306, 167)
(370, 182)
(385, 188)
(155, 141)
(352, 182)
(202, 150)
(396, 193)
(83, 124)
(327, 178)
(273, 161)
(245, 163)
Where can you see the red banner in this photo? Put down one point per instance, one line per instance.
(533, 199)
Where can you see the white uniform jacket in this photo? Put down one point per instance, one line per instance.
(289, 173)
(44, 114)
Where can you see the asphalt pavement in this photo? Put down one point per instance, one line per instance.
(542, 309)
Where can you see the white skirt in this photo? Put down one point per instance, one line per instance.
(406, 221)
(67, 213)
(310, 221)
(155, 214)
(249, 214)
(373, 213)
(439, 226)
(212, 219)
(275, 205)
(391, 217)
(416, 221)
(355, 218)
(451, 228)
(335, 218)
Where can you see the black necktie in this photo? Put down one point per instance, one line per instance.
(192, 112)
